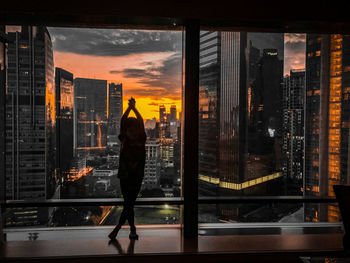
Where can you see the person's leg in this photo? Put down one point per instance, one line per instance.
(125, 192)
(123, 216)
(131, 219)
(132, 197)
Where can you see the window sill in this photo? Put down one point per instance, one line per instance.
(166, 244)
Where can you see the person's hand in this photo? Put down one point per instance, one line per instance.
(132, 103)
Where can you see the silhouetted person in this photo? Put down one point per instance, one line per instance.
(131, 166)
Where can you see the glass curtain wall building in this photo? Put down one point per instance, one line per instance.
(30, 121)
(327, 120)
(62, 129)
(263, 131)
(114, 112)
(293, 131)
(64, 121)
(240, 116)
(3, 40)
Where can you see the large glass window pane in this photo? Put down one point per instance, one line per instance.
(66, 93)
(273, 120)
(92, 216)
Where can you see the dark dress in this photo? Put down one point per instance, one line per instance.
(131, 168)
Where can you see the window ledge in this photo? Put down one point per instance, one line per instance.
(160, 244)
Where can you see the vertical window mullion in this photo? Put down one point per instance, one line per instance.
(190, 158)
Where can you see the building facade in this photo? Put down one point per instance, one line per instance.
(293, 130)
(3, 47)
(30, 121)
(64, 120)
(240, 108)
(152, 165)
(90, 114)
(115, 112)
(327, 121)
(240, 113)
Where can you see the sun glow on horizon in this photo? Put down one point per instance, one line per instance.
(98, 67)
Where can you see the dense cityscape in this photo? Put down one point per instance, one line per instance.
(261, 132)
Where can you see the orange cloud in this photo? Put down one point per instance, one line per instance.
(112, 68)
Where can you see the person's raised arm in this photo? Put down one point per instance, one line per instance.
(123, 123)
(139, 118)
(132, 103)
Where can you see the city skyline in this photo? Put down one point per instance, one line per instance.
(148, 63)
(243, 156)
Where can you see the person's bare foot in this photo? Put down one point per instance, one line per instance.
(114, 233)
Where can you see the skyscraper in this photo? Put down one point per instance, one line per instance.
(90, 114)
(162, 113)
(240, 111)
(164, 124)
(173, 122)
(115, 112)
(64, 119)
(293, 130)
(173, 113)
(3, 40)
(209, 88)
(327, 121)
(30, 120)
(152, 165)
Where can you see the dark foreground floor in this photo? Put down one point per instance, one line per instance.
(165, 244)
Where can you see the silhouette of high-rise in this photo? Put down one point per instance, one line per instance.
(173, 122)
(30, 121)
(152, 167)
(164, 125)
(293, 130)
(64, 119)
(115, 112)
(327, 121)
(3, 40)
(229, 82)
(172, 113)
(162, 113)
(240, 112)
(90, 114)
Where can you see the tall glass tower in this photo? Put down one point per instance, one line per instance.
(90, 114)
(64, 119)
(30, 120)
(327, 121)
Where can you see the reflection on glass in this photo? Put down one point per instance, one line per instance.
(94, 215)
(258, 213)
(240, 112)
(327, 120)
(273, 118)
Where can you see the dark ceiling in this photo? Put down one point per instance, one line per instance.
(303, 16)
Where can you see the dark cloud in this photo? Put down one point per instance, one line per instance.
(162, 81)
(113, 42)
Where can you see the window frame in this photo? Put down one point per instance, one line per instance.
(191, 28)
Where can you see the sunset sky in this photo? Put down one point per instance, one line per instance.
(147, 63)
